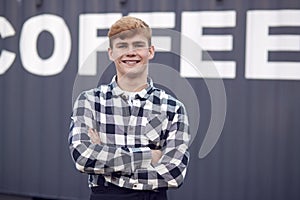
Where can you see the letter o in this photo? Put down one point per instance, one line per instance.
(30, 58)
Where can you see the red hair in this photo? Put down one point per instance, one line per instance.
(127, 27)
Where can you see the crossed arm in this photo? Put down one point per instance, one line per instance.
(95, 139)
(159, 168)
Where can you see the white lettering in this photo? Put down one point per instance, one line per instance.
(191, 63)
(159, 20)
(28, 45)
(194, 43)
(89, 41)
(259, 42)
(6, 57)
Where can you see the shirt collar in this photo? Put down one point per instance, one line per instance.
(143, 94)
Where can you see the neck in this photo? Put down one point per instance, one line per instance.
(132, 84)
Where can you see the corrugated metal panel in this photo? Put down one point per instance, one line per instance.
(256, 157)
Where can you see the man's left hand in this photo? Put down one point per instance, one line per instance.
(94, 135)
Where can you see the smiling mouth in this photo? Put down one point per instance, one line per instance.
(130, 62)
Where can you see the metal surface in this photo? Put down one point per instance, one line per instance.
(256, 156)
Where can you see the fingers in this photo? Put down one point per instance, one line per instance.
(94, 136)
(156, 155)
(91, 132)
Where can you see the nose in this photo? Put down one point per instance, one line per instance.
(131, 51)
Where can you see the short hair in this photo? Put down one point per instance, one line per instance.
(129, 26)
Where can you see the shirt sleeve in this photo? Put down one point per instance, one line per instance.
(95, 158)
(171, 169)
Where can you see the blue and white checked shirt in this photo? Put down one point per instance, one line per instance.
(154, 120)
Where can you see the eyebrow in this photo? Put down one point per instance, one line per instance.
(139, 42)
(134, 43)
(121, 43)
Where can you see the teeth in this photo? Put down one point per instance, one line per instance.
(131, 61)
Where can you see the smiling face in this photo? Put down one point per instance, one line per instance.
(131, 55)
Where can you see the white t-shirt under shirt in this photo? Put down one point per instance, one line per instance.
(130, 96)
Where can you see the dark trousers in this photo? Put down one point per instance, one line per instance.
(108, 191)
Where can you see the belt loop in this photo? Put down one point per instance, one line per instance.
(102, 181)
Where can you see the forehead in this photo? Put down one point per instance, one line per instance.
(131, 39)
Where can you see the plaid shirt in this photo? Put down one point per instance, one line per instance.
(154, 120)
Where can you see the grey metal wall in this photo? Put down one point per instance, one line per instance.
(256, 157)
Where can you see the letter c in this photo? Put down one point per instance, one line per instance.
(6, 57)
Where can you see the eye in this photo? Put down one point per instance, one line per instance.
(122, 46)
(139, 45)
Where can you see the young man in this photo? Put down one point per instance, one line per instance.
(129, 136)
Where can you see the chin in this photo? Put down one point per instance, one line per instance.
(134, 71)
(133, 74)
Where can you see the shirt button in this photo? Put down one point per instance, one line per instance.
(124, 96)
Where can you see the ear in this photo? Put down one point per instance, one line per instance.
(151, 52)
(110, 52)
